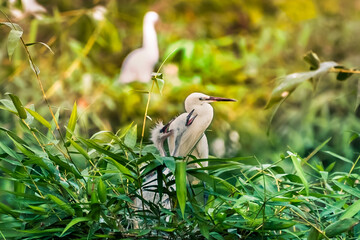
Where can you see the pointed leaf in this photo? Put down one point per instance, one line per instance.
(342, 76)
(313, 234)
(339, 157)
(278, 224)
(180, 181)
(44, 44)
(102, 193)
(39, 118)
(18, 105)
(119, 166)
(80, 149)
(353, 191)
(340, 226)
(300, 171)
(14, 36)
(9, 151)
(352, 210)
(72, 122)
(290, 82)
(73, 222)
(64, 206)
(130, 137)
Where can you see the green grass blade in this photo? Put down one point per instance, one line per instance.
(180, 181)
(39, 118)
(300, 171)
(339, 157)
(73, 222)
(351, 211)
(80, 149)
(340, 226)
(18, 105)
(348, 189)
(72, 122)
(102, 193)
(64, 206)
(130, 137)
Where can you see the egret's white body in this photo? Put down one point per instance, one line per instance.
(185, 133)
(139, 64)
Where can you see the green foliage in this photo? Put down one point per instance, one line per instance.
(89, 192)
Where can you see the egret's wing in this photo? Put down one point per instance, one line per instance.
(181, 129)
(190, 119)
(202, 149)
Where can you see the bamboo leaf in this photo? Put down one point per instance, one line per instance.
(9, 151)
(340, 226)
(102, 193)
(164, 229)
(64, 206)
(351, 211)
(8, 210)
(130, 137)
(180, 181)
(339, 157)
(39, 118)
(72, 122)
(348, 189)
(313, 234)
(278, 224)
(41, 43)
(80, 149)
(14, 37)
(18, 105)
(73, 222)
(300, 171)
(290, 82)
(119, 166)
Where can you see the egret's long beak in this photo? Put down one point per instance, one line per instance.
(220, 99)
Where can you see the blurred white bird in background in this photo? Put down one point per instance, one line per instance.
(29, 7)
(139, 64)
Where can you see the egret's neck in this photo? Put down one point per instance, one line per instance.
(149, 36)
(206, 113)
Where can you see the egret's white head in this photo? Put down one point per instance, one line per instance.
(198, 99)
(151, 17)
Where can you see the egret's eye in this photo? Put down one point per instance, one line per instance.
(201, 99)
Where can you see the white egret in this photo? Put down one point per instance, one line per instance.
(139, 64)
(186, 132)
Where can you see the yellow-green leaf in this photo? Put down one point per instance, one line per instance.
(39, 118)
(73, 222)
(130, 137)
(14, 37)
(180, 181)
(80, 149)
(18, 105)
(72, 122)
(102, 191)
(300, 171)
(64, 206)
